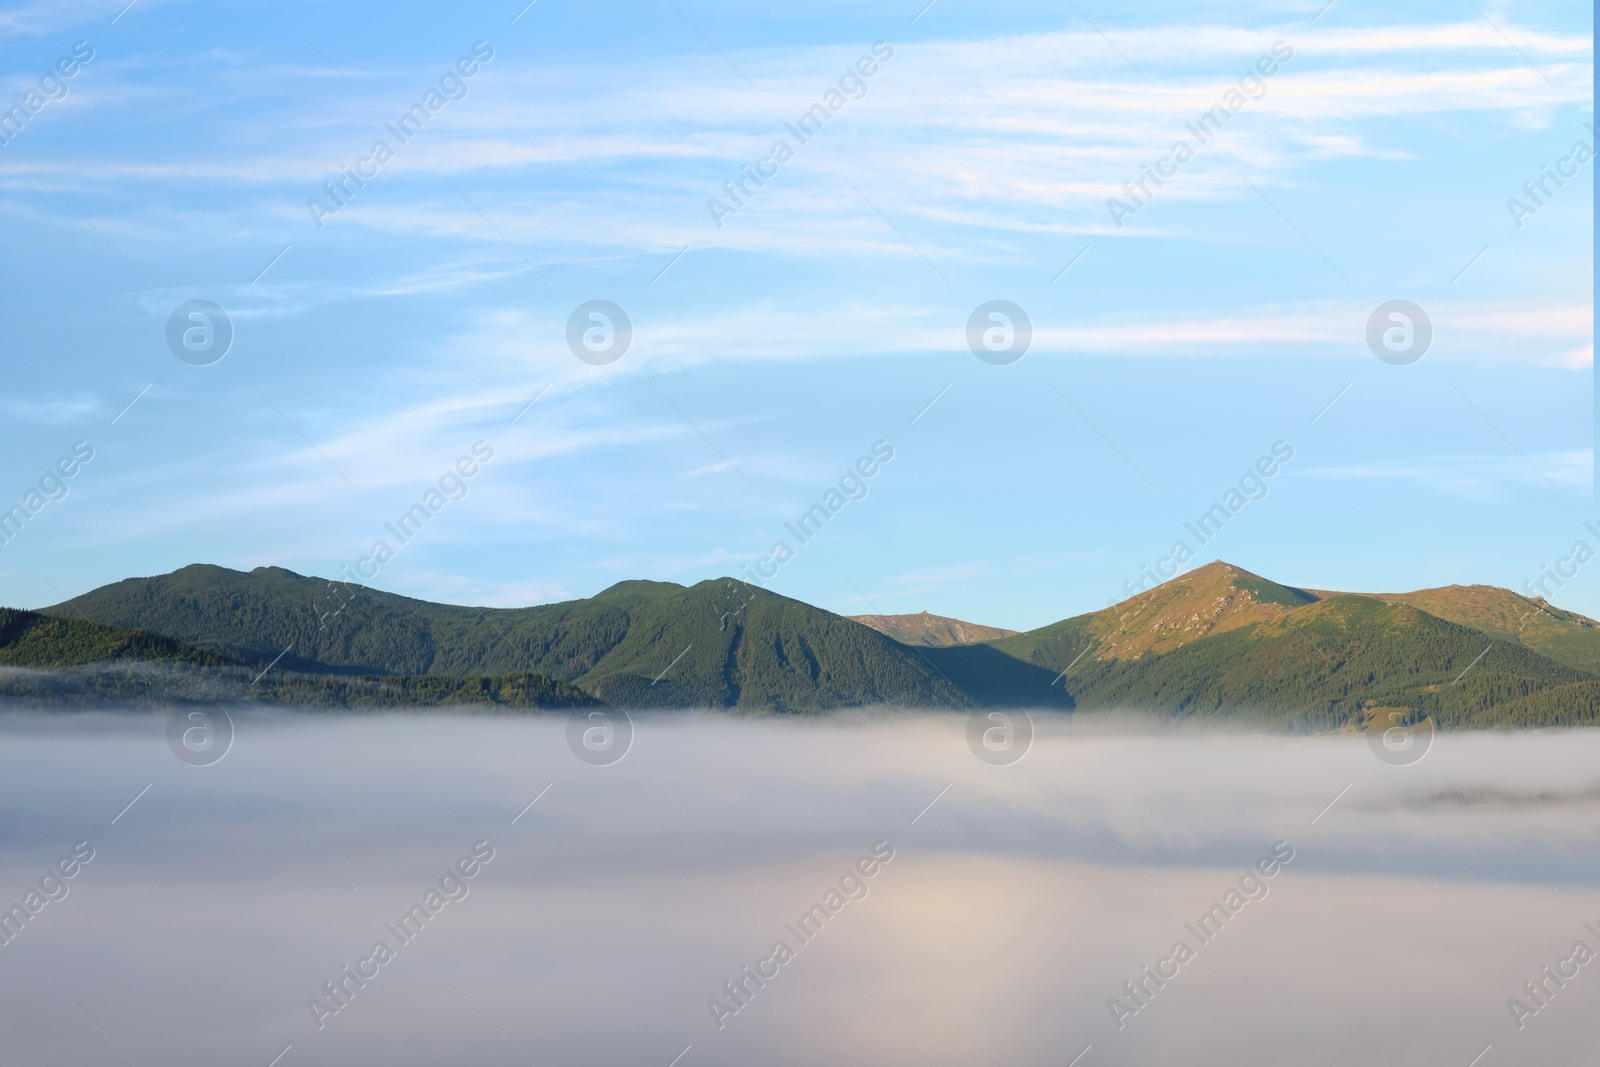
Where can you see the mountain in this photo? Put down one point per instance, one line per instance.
(1564, 636)
(69, 660)
(1327, 665)
(1221, 642)
(930, 631)
(719, 644)
(1216, 643)
(1208, 600)
(37, 640)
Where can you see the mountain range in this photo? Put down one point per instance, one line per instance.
(1217, 642)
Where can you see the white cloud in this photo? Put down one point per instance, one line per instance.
(29, 19)
(50, 411)
(1476, 476)
(1022, 123)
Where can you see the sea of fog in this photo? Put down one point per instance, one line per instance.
(931, 908)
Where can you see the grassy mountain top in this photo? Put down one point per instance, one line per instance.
(1206, 601)
(931, 631)
(1564, 636)
(1221, 642)
(1325, 665)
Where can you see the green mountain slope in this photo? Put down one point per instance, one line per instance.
(1564, 636)
(523, 691)
(32, 639)
(1569, 705)
(165, 683)
(323, 625)
(719, 644)
(727, 644)
(71, 661)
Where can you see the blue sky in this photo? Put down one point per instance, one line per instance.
(821, 317)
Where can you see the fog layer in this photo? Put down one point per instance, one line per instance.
(960, 913)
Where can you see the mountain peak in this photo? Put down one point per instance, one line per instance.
(275, 572)
(1213, 598)
(633, 587)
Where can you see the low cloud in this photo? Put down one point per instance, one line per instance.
(1018, 902)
